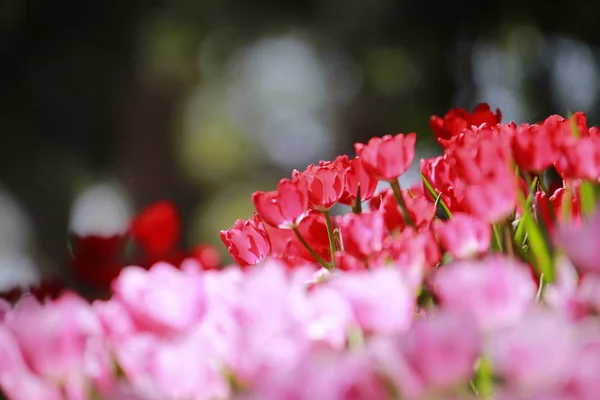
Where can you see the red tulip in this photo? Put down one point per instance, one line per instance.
(325, 183)
(247, 241)
(357, 176)
(388, 157)
(285, 207)
(456, 120)
(157, 228)
(362, 234)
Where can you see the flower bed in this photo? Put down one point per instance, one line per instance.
(481, 282)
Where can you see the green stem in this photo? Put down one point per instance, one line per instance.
(435, 195)
(398, 194)
(497, 238)
(331, 236)
(508, 238)
(357, 209)
(540, 292)
(540, 182)
(317, 257)
(543, 185)
(473, 387)
(520, 233)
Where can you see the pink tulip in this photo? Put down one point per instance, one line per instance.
(362, 234)
(57, 338)
(4, 308)
(325, 182)
(162, 299)
(464, 236)
(580, 244)
(389, 157)
(496, 291)
(535, 356)
(17, 381)
(442, 349)
(285, 207)
(247, 241)
(381, 299)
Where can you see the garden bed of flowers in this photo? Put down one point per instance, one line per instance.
(481, 282)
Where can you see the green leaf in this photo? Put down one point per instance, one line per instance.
(437, 196)
(356, 339)
(540, 292)
(358, 206)
(484, 378)
(576, 132)
(496, 238)
(566, 205)
(520, 232)
(537, 243)
(587, 192)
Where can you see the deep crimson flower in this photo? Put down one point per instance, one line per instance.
(362, 234)
(285, 207)
(388, 157)
(325, 182)
(456, 120)
(247, 241)
(173, 257)
(97, 260)
(48, 288)
(356, 176)
(157, 228)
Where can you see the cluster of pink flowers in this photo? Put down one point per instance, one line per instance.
(481, 282)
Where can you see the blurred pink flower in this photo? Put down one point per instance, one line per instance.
(442, 349)
(581, 244)
(163, 299)
(535, 356)
(496, 291)
(59, 341)
(18, 382)
(381, 299)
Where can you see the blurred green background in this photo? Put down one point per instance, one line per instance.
(106, 106)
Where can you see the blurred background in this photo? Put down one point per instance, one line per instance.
(107, 106)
